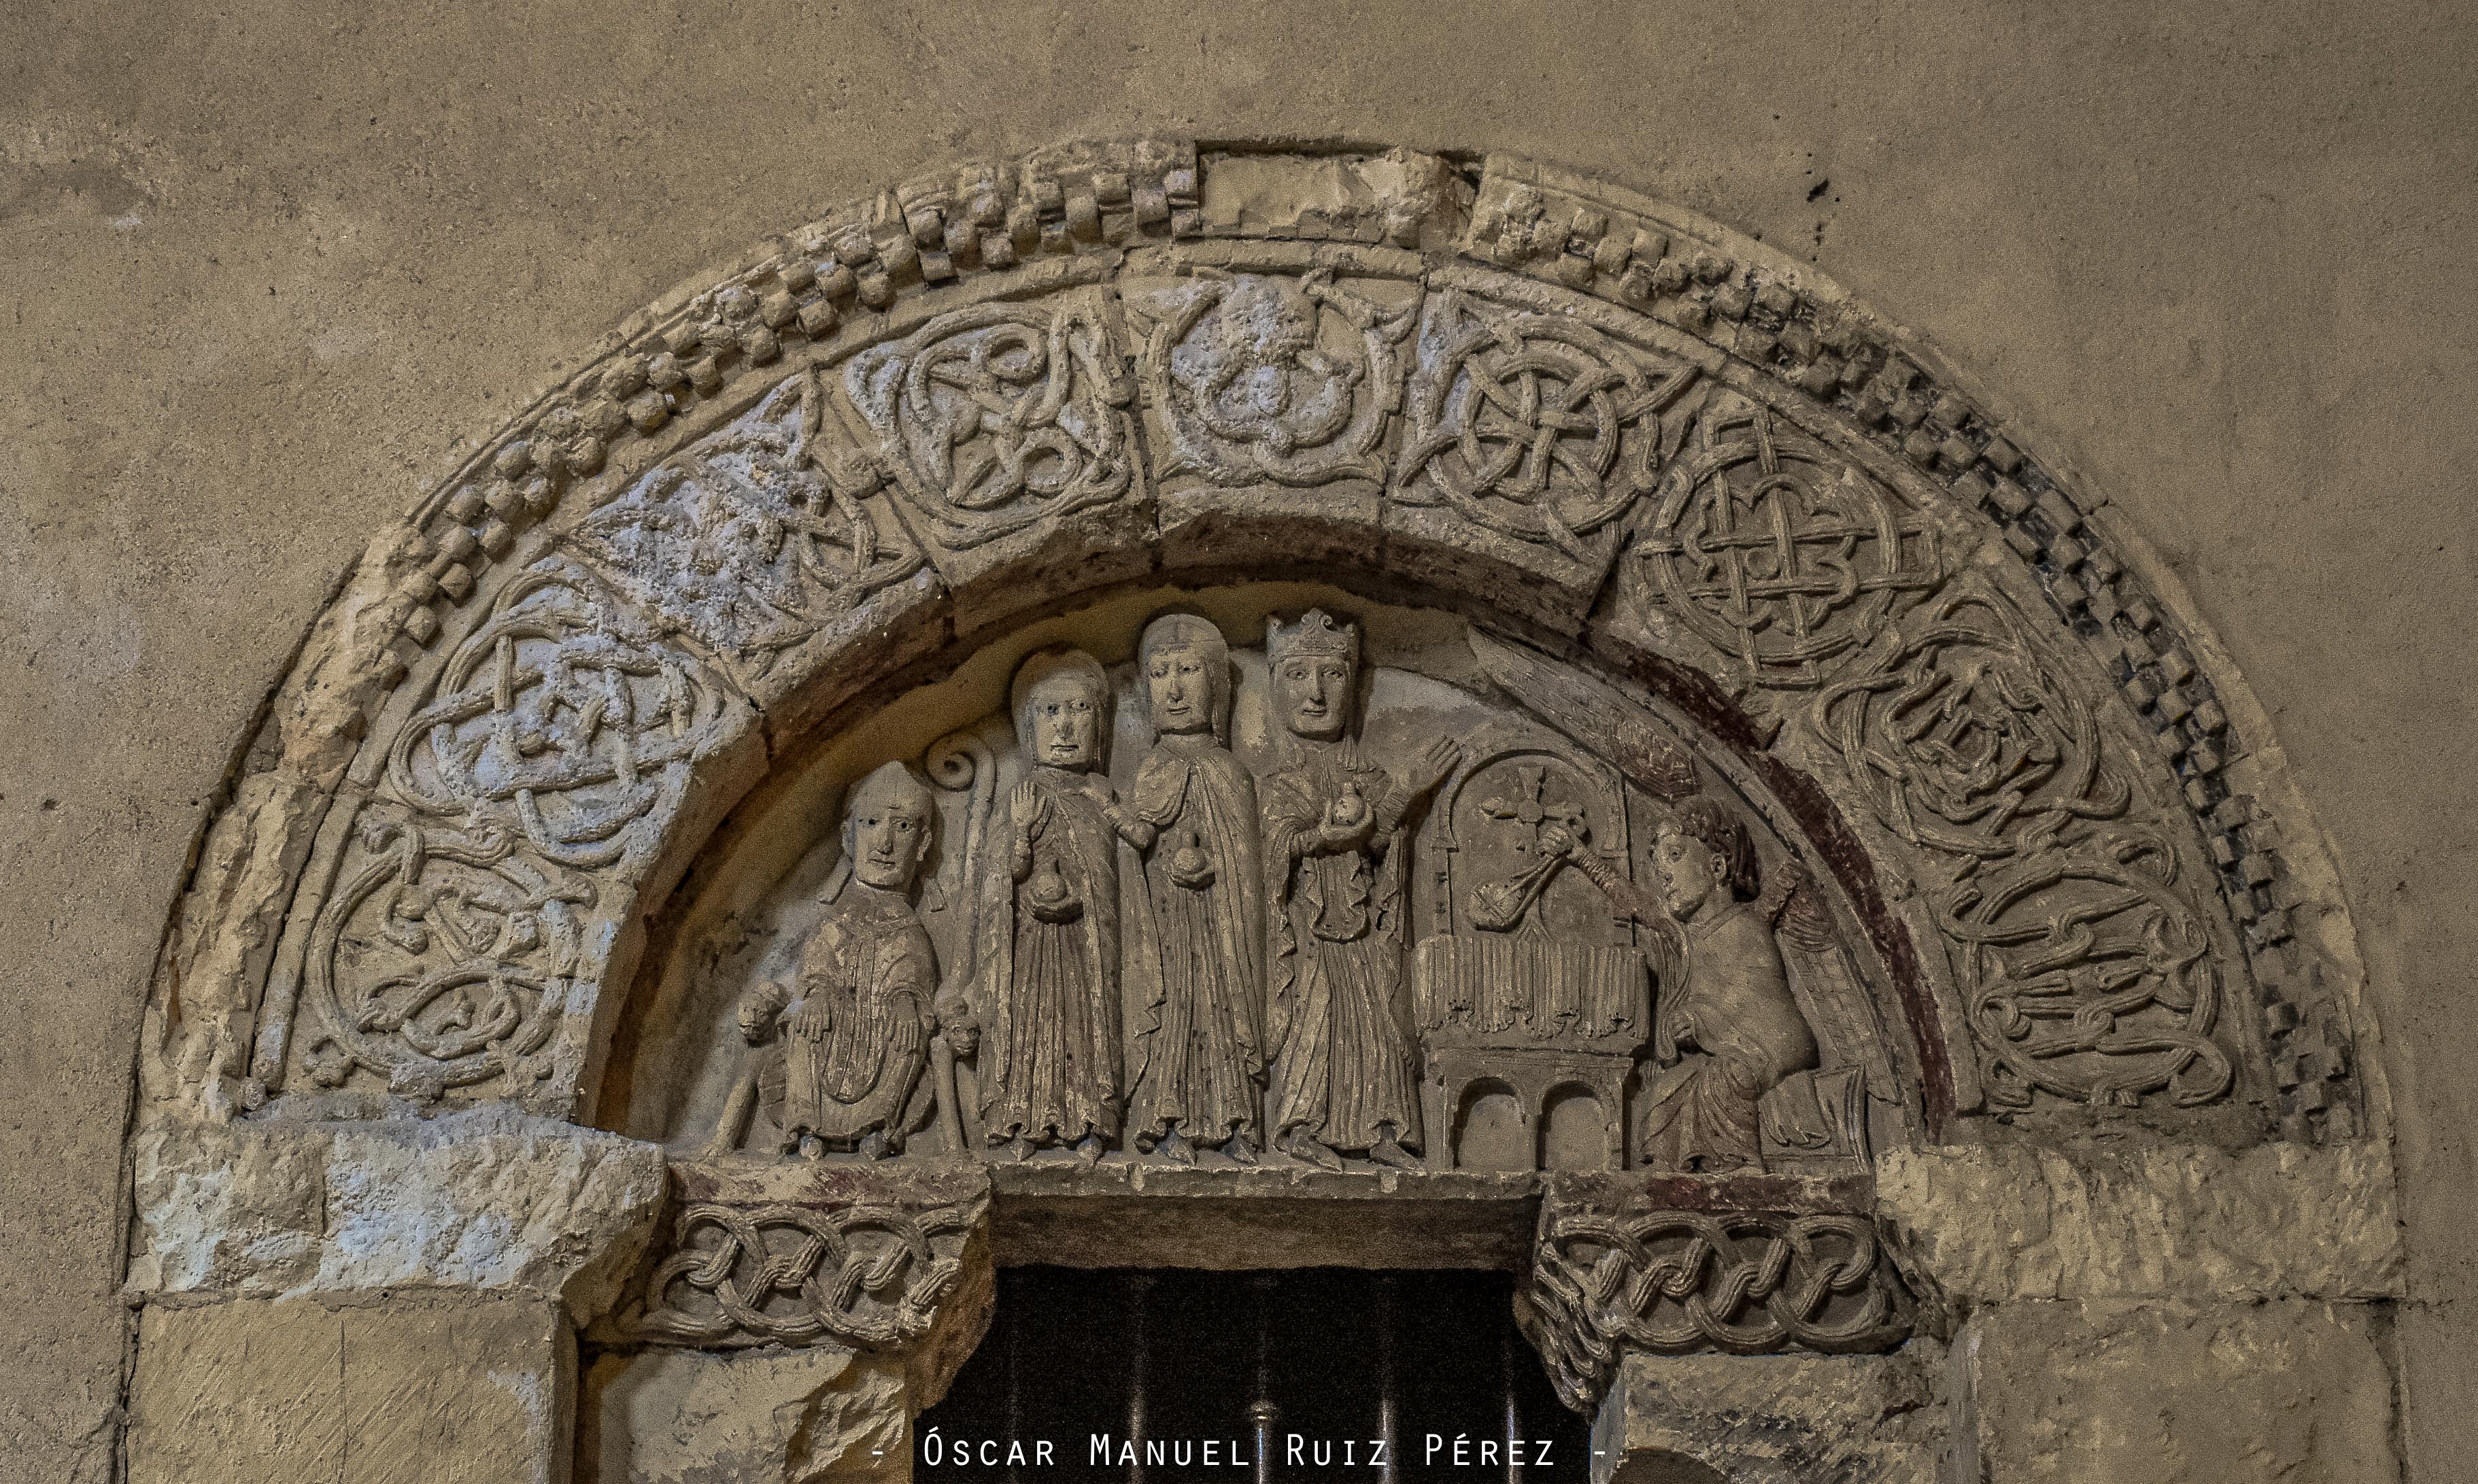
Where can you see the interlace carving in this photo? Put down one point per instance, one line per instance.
(1780, 553)
(560, 740)
(444, 959)
(557, 716)
(1671, 1282)
(1535, 426)
(2085, 964)
(752, 540)
(869, 1275)
(1001, 416)
(1263, 377)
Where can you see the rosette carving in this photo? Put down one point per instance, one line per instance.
(754, 540)
(1777, 552)
(1265, 377)
(445, 958)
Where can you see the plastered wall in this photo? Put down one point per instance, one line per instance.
(267, 267)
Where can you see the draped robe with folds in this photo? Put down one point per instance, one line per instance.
(1197, 1040)
(872, 966)
(1346, 1067)
(1723, 992)
(1050, 1062)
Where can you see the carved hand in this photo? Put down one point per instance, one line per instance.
(1436, 761)
(1027, 807)
(1557, 840)
(813, 1017)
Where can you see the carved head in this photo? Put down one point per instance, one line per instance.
(1704, 855)
(1315, 665)
(1186, 669)
(887, 827)
(1062, 708)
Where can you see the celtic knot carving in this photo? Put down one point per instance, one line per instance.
(752, 540)
(1273, 378)
(1777, 552)
(1676, 1281)
(445, 958)
(2090, 978)
(2086, 965)
(1966, 741)
(1534, 425)
(560, 718)
(997, 416)
(870, 1275)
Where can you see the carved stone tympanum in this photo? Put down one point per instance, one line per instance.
(1155, 705)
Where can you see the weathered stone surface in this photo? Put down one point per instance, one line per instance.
(1993, 1222)
(410, 1391)
(676, 1417)
(179, 553)
(1773, 1419)
(893, 1257)
(2173, 1393)
(1402, 198)
(486, 1201)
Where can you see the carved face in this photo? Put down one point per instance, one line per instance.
(1314, 693)
(1065, 720)
(1179, 688)
(1690, 872)
(886, 831)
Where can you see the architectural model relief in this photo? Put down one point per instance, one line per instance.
(1281, 901)
(1143, 708)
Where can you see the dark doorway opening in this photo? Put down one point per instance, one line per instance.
(1144, 1377)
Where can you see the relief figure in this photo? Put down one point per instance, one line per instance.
(1345, 1077)
(1726, 1026)
(854, 1026)
(1197, 1042)
(1049, 1063)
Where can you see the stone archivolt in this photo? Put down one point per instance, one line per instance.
(1753, 589)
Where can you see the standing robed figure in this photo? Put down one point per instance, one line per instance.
(1197, 1041)
(1345, 1075)
(1050, 1054)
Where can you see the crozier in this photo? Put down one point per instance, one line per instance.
(1062, 715)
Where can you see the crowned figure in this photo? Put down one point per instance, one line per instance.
(1345, 1078)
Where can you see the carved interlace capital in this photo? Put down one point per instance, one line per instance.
(807, 1254)
(1746, 1266)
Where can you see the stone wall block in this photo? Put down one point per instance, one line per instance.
(2174, 1393)
(486, 1201)
(1989, 1223)
(1773, 1419)
(1272, 374)
(412, 1389)
(681, 1417)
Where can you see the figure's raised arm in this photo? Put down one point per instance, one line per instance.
(1632, 900)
